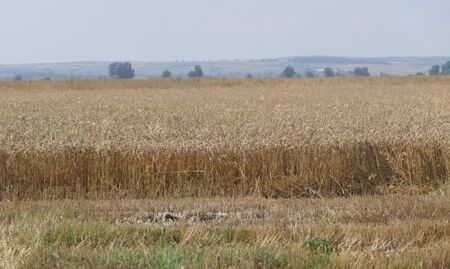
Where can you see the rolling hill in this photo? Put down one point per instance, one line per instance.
(226, 68)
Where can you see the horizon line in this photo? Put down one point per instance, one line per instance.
(221, 60)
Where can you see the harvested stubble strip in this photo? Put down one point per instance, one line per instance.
(331, 170)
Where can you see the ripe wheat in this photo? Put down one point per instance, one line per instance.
(223, 137)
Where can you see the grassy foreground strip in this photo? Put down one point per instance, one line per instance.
(392, 231)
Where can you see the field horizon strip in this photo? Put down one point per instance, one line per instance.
(210, 137)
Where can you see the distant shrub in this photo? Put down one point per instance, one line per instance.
(196, 73)
(435, 70)
(121, 70)
(445, 69)
(288, 72)
(310, 74)
(166, 74)
(361, 72)
(329, 72)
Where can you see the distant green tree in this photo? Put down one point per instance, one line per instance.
(121, 70)
(329, 72)
(288, 72)
(445, 69)
(249, 75)
(419, 74)
(310, 74)
(435, 70)
(361, 72)
(192, 74)
(166, 74)
(196, 73)
(18, 78)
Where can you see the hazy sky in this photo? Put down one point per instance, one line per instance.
(163, 30)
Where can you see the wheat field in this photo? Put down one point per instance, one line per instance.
(223, 137)
(219, 173)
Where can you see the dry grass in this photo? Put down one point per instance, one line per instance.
(392, 231)
(217, 137)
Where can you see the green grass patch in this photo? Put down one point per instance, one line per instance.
(320, 253)
(240, 256)
(98, 234)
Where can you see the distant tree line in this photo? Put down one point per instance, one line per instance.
(124, 70)
(196, 73)
(20, 78)
(438, 70)
(289, 72)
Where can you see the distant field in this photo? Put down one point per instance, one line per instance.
(222, 137)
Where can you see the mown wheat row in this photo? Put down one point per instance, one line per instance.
(278, 172)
